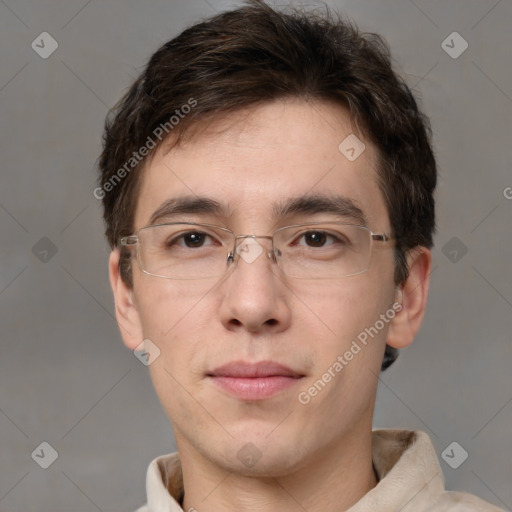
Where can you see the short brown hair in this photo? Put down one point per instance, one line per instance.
(256, 54)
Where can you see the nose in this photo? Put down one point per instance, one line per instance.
(254, 296)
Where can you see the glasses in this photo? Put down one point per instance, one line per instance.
(325, 250)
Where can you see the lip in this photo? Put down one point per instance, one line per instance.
(254, 381)
(252, 370)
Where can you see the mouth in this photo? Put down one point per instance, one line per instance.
(254, 381)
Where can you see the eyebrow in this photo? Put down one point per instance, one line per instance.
(186, 204)
(308, 204)
(340, 206)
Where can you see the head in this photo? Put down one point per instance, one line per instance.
(250, 109)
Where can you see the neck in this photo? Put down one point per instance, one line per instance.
(332, 481)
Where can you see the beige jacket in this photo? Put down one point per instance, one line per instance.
(410, 480)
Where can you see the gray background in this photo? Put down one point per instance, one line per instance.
(67, 379)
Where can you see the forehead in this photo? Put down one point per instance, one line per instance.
(254, 163)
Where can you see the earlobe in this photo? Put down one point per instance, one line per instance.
(127, 314)
(412, 296)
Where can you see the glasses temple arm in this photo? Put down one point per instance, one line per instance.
(128, 240)
(383, 238)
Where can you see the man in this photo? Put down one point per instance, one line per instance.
(268, 186)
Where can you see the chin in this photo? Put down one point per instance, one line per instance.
(262, 463)
(259, 455)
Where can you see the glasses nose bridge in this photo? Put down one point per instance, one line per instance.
(268, 237)
(271, 254)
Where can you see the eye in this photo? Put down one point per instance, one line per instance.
(317, 239)
(190, 240)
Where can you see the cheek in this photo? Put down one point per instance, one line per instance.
(348, 356)
(174, 317)
(343, 308)
(166, 305)
(353, 340)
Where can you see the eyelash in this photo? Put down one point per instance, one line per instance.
(181, 237)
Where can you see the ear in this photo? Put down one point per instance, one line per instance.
(127, 314)
(412, 295)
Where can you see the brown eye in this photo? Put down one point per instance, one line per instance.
(194, 239)
(189, 240)
(319, 239)
(315, 238)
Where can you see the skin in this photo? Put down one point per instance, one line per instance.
(318, 455)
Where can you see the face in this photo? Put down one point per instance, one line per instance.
(249, 163)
